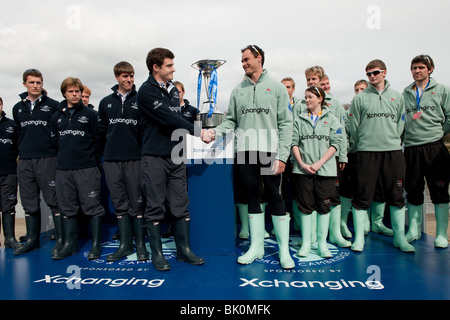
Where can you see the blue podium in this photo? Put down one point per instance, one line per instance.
(211, 197)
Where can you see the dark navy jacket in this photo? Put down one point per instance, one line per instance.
(189, 112)
(120, 125)
(162, 116)
(33, 127)
(76, 137)
(8, 146)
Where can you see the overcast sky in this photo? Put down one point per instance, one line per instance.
(85, 39)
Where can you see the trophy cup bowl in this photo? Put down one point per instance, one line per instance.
(206, 66)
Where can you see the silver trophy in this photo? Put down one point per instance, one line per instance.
(208, 114)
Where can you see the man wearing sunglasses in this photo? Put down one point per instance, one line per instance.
(427, 121)
(376, 122)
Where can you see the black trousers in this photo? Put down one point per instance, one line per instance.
(123, 179)
(372, 168)
(164, 183)
(431, 162)
(252, 167)
(312, 192)
(8, 193)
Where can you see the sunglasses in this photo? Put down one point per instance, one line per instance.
(375, 73)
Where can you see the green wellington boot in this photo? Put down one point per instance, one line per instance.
(441, 213)
(281, 226)
(359, 221)
(126, 239)
(306, 228)
(257, 231)
(335, 228)
(243, 216)
(9, 224)
(323, 221)
(346, 207)
(33, 225)
(414, 222)
(398, 226)
(296, 215)
(377, 215)
(70, 246)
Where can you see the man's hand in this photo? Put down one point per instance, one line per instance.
(278, 167)
(208, 135)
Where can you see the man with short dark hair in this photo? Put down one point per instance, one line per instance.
(163, 180)
(120, 125)
(36, 168)
(427, 121)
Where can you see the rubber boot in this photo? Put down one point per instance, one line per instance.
(70, 246)
(414, 222)
(126, 239)
(96, 231)
(9, 223)
(243, 216)
(359, 222)
(314, 227)
(377, 215)
(346, 207)
(139, 234)
(33, 225)
(154, 235)
(182, 237)
(441, 213)
(335, 228)
(306, 228)
(58, 221)
(257, 231)
(281, 226)
(296, 216)
(398, 226)
(323, 222)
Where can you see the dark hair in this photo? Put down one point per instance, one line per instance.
(319, 93)
(256, 51)
(157, 56)
(32, 72)
(425, 59)
(362, 81)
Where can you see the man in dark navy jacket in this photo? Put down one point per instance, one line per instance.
(163, 180)
(120, 125)
(36, 168)
(8, 177)
(75, 130)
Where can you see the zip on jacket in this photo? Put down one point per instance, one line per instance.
(259, 112)
(76, 136)
(120, 126)
(33, 126)
(313, 140)
(430, 120)
(376, 121)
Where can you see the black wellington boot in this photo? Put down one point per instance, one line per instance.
(158, 260)
(58, 221)
(183, 243)
(139, 233)
(96, 230)
(70, 246)
(33, 225)
(126, 239)
(9, 224)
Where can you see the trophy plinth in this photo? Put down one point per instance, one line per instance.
(209, 115)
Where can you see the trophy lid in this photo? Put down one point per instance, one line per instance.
(207, 65)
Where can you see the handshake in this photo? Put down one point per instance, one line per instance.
(208, 135)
